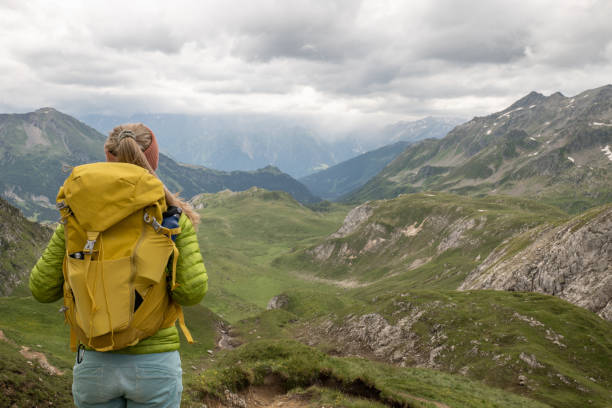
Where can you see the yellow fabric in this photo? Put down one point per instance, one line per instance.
(112, 213)
(102, 194)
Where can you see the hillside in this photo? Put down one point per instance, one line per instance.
(368, 339)
(36, 364)
(240, 235)
(551, 148)
(571, 261)
(338, 180)
(21, 243)
(34, 148)
(530, 344)
(425, 240)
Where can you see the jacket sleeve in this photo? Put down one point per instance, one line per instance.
(190, 271)
(47, 278)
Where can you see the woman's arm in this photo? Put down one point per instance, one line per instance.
(47, 278)
(190, 271)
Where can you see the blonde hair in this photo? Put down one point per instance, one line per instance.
(131, 149)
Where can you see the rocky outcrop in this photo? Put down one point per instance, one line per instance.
(573, 261)
(373, 335)
(353, 220)
(278, 302)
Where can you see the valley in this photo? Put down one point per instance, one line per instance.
(470, 271)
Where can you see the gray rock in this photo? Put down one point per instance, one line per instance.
(573, 261)
(353, 220)
(278, 302)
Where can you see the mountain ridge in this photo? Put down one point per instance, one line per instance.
(546, 147)
(342, 178)
(36, 148)
(245, 142)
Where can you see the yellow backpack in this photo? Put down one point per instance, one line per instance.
(117, 251)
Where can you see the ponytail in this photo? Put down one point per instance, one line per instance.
(126, 144)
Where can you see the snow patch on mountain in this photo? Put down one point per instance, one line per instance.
(607, 152)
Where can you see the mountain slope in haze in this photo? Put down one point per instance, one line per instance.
(35, 146)
(248, 142)
(21, 243)
(552, 148)
(426, 128)
(338, 180)
(572, 261)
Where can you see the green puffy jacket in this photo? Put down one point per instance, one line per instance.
(47, 280)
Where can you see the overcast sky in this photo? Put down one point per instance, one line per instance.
(346, 60)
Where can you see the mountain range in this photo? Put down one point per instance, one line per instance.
(249, 142)
(336, 181)
(553, 148)
(37, 147)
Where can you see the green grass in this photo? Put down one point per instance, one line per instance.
(296, 365)
(484, 332)
(242, 233)
(254, 245)
(493, 219)
(28, 385)
(39, 326)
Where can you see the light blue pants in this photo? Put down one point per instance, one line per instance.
(110, 380)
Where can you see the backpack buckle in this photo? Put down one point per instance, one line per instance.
(153, 221)
(156, 225)
(89, 246)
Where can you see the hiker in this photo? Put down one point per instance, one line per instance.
(130, 371)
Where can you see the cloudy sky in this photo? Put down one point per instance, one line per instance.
(347, 60)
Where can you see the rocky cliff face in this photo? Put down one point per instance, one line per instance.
(572, 261)
(21, 243)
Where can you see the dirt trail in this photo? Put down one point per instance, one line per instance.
(33, 355)
(345, 284)
(42, 360)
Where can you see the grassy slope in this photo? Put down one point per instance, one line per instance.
(441, 216)
(41, 328)
(25, 385)
(299, 366)
(242, 233)
(483, 335)
(266, 225)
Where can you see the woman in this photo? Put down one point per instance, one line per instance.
(147, 374)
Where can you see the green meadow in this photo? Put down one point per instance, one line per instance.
(256, 246)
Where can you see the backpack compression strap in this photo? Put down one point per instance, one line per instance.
(175, 254)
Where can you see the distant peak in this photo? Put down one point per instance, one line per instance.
(270, 169)
(557, 95)
(531, 98)
(47, 109)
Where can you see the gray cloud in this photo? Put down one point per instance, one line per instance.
(376, 60)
